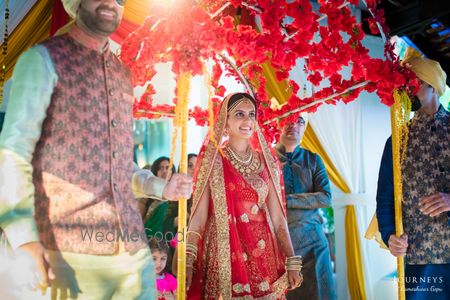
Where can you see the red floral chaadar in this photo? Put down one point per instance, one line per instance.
(254, 32)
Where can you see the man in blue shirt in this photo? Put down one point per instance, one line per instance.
(307, 190)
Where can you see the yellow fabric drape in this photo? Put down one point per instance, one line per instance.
(278, 89)
(33, 28)
(281, 91)
(373, 233)
(136, 11)
(355, 275)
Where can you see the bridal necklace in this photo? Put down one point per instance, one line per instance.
(246, 165)
(246, 159)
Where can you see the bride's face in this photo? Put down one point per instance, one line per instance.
(241, 120)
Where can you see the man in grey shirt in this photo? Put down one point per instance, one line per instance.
(307, 189)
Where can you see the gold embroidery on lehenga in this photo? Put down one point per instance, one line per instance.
(244, 218)
(238, 288)
(262, 244)
(281, 285)
(244, 256)
(223, 239)
(272, 167)
(255, 209)
(211, 152)
(259, 186)
(264, 286)
(211, 286)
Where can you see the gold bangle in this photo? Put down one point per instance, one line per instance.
(194, 232)
(194, 257)
(191, 253)
(192, 247)
(294, 257)
(294, 263)
(192, 250)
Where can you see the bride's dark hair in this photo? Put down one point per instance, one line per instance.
(236, 98)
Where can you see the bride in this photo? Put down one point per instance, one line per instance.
(238, 244)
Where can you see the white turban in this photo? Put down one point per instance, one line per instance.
(71, 7)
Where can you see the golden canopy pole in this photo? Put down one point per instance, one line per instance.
(181, 120)
(399, 119)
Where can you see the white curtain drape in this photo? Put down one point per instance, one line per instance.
(348, 133)
(338, 129)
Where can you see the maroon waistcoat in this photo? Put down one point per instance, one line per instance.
(83, 160)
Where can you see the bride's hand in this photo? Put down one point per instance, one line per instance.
(189, 273)
(295, 279)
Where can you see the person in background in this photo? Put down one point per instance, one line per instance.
(161, 168)
(156, 210)
(307, 189)
(192, 160)
(166, 283)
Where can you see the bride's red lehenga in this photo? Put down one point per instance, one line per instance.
(238, 255)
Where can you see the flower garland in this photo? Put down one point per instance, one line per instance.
(192, 32)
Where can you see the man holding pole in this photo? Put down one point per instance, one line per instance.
(66, 202)
(426, 187)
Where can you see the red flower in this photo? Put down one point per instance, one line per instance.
(282, 75)
(315, 78)
(220, 91)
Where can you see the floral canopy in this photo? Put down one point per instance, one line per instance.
(244, 35)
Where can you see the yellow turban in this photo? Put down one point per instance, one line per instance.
(71, 7)
(427, 70)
